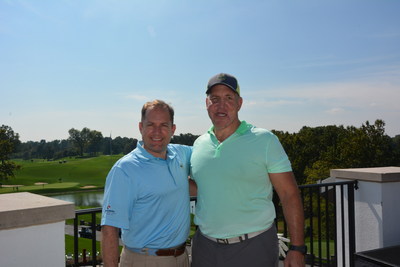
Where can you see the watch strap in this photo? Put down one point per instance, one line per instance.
(301, 249)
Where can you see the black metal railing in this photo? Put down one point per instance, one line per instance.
(322, 203)
(81, 258)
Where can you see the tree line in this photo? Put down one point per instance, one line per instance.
(313, 151)
(83, 143)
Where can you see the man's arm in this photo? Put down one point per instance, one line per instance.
(192, 188)
(110, 245)
(286, 187)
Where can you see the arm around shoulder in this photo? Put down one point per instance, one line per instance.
(192, 188)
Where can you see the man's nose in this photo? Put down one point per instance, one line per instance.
(157, 129)
(222, 102)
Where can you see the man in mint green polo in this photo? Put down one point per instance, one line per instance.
(236, 166)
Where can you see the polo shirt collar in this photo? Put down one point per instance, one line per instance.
(143, 154)
(242, 129)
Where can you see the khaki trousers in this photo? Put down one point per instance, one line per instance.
(132, 259)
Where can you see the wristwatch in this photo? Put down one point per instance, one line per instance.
(301, 249)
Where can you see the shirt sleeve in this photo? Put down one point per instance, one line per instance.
(119, 198)
(276, 158)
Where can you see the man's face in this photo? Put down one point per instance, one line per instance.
(223, 106)
(157, 130)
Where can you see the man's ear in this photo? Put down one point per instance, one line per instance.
(140, 127)
(240, 102)
(173, 128)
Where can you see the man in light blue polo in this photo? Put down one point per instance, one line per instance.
(146, 196)
(235, 166)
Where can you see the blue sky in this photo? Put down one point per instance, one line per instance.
(74, 64)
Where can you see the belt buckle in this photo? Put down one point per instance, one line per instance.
(144, 251)
(222, 241)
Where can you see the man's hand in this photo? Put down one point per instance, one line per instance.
(294, 259)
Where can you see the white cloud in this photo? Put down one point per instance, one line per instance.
(334, 111)
(383, 95)
(270, 103)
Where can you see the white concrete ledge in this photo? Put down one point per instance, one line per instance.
(379, 174)
(27, 209)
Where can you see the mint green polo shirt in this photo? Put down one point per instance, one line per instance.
(234, 194)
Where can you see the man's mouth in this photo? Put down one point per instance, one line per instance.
(221, 114)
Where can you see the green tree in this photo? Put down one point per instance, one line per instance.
(86, 140)
(8, 143)
(313, 152)
(184, 139)
(95, 141)
(367, 146)
(396, 149)
(80, 139)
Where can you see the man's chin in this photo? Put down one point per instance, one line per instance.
(159, 148)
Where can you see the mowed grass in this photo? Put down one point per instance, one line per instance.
(69, 174)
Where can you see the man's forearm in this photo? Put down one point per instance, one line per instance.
(289, 195)
(294, 217)
(192, 188)
(110, 246)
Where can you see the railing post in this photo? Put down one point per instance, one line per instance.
(342, 225)
(76, 259)
(352, 229)
(94, 233)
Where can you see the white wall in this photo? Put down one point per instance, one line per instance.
(368, 216)
(32, 230)
(377, 207)
(34, 246)
(391, 214)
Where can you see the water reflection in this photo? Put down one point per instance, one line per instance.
(92, 199)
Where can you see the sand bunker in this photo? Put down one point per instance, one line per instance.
(40, 183)
(11, 185)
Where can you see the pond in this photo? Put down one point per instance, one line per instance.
(92, 199)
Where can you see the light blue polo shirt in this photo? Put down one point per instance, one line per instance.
(148, 198)
(234, 194)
